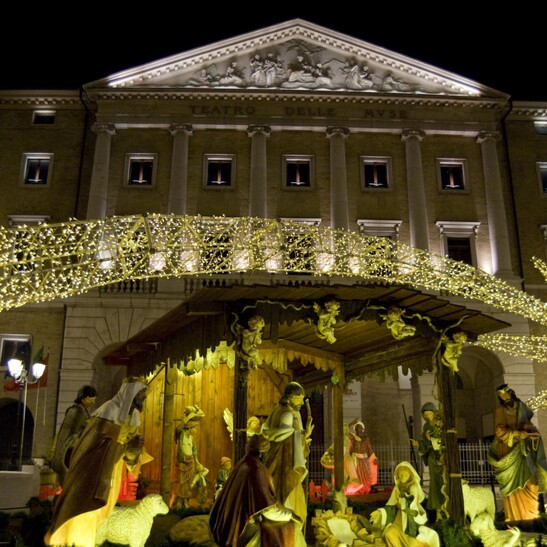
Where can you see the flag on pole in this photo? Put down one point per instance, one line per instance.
(9, 383)
(39, 357)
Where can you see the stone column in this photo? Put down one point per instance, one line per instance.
(339, 216)
(179, 168)
(258, 190)
(495, 206)
(98, 192)
(417, 208)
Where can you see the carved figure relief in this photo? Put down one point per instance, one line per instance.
(297, 64)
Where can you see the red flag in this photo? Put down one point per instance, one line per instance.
(9, 383)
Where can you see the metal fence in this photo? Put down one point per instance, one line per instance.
(473, 463)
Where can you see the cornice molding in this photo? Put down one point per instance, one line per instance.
(247, 95)
(41, 99)
(529, 110)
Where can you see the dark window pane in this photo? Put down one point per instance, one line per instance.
(376, 175)
(219, 173)
(459, 248)
(140, 172)
(298, 173)
(452, 177)
(37, 171)
(43, 118)
(543, 174)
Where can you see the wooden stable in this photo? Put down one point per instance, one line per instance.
(195, 353)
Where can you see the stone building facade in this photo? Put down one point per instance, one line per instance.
(296, 122)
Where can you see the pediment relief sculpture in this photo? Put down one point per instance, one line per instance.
(295, 55)
(297, 64)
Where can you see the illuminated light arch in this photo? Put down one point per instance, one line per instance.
(49, 261)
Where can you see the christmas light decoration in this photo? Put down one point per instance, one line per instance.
(49, 261)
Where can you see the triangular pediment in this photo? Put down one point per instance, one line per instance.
(295, 55)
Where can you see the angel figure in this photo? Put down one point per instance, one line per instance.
(253, 424)
(453, 349)
(394, 322)
(326, 320)
(248, 339)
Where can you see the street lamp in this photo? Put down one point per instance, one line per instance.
(22, 378)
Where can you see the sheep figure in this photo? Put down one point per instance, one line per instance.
(477, 500)
(131, 525)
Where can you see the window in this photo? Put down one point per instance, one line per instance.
(542, 177)
(381, 251)
(458, 240)
(298, 172)
(29, 220)
(300, 256)
(43, 117)
(140, 170)
(14, 346)
(452, 175)
(217, 249)
(219, 171)
(375, 173)
(541, 128)
(380, 228)
(459, 248)
(36, 169)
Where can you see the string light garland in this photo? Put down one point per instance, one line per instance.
(50, 261)
(531, 347)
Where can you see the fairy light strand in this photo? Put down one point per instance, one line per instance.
(49, 261)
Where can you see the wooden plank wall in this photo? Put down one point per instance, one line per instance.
(212, 390)
(152, 429)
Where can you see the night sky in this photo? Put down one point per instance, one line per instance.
(68, 49)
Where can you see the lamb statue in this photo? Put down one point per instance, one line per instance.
(477, 500)
(131, 525)
(480, 506)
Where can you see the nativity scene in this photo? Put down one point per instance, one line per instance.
(242, 326)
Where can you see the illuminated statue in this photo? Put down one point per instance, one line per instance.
(363, 464)
(192, 472)
(402, 521)
(453, 350)
(248, 339)
(289, 448)
(253, 424)
(92, 482)
(395, 323)
(517, 455)
(327, 318)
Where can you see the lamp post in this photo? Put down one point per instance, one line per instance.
(22, 378)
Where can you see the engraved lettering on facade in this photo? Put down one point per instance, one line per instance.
(222, 110)
(382, 113)
(309, 111)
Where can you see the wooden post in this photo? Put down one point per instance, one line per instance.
(167, 464)
(338, 433)
(241, 377)
(446, 383)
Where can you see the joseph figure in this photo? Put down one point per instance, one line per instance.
(289, 448)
